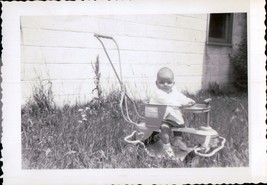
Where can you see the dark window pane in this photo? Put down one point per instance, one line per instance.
(217, 26)
(220, 28)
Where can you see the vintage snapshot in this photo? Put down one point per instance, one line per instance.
(89, 101)
(168, 92)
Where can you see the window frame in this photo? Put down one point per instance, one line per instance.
(228, 41)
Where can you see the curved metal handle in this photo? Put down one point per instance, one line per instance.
(108, 37)
(212, 152)
(135, 142)
(103, 36)
(129, 137)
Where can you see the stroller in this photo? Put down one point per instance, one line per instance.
(147, 131)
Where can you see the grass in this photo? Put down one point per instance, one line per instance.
(91, 135)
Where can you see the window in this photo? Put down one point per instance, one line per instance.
(220, 28)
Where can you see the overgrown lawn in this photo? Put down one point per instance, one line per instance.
(91, 135)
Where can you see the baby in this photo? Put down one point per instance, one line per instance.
(167, 94)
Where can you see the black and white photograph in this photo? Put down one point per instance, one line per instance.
(116, 93)
(134, 91)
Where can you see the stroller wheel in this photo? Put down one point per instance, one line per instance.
(152, 139)
(191, 160)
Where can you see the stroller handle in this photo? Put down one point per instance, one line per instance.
(103, 36)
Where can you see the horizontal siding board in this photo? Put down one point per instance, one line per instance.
(161, 58)
(68, 23)
(163, 20)
(112, 27)
(58, 55)
(147, 44)
(165, 33)
(33, 72)
(40, 37)
(159, 20)
(35, 54)
(191, 23)
(35, 37)
(73, 87)
(197, 16)
(123, 18)
(85, 71)
(57, 71)
(151, 31)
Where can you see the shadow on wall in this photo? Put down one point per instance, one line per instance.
(221, 44)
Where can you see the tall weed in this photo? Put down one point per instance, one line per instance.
(42, 100)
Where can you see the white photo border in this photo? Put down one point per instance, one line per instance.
(11, 74)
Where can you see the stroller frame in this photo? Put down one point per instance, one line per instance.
(211, 144)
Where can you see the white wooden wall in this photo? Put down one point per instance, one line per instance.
(62, 48)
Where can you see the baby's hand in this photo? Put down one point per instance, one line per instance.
(190, 103)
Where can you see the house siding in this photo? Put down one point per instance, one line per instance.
(61, 49)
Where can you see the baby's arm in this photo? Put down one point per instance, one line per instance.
(184, 100)
(160, 97)
(190, 101)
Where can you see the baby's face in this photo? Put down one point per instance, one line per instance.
(165, 81)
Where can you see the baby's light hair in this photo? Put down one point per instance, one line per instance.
(164, 70)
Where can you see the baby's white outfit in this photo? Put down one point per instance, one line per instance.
(174, 98)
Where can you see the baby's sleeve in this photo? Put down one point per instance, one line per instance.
(184, 100)
(160, 97)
